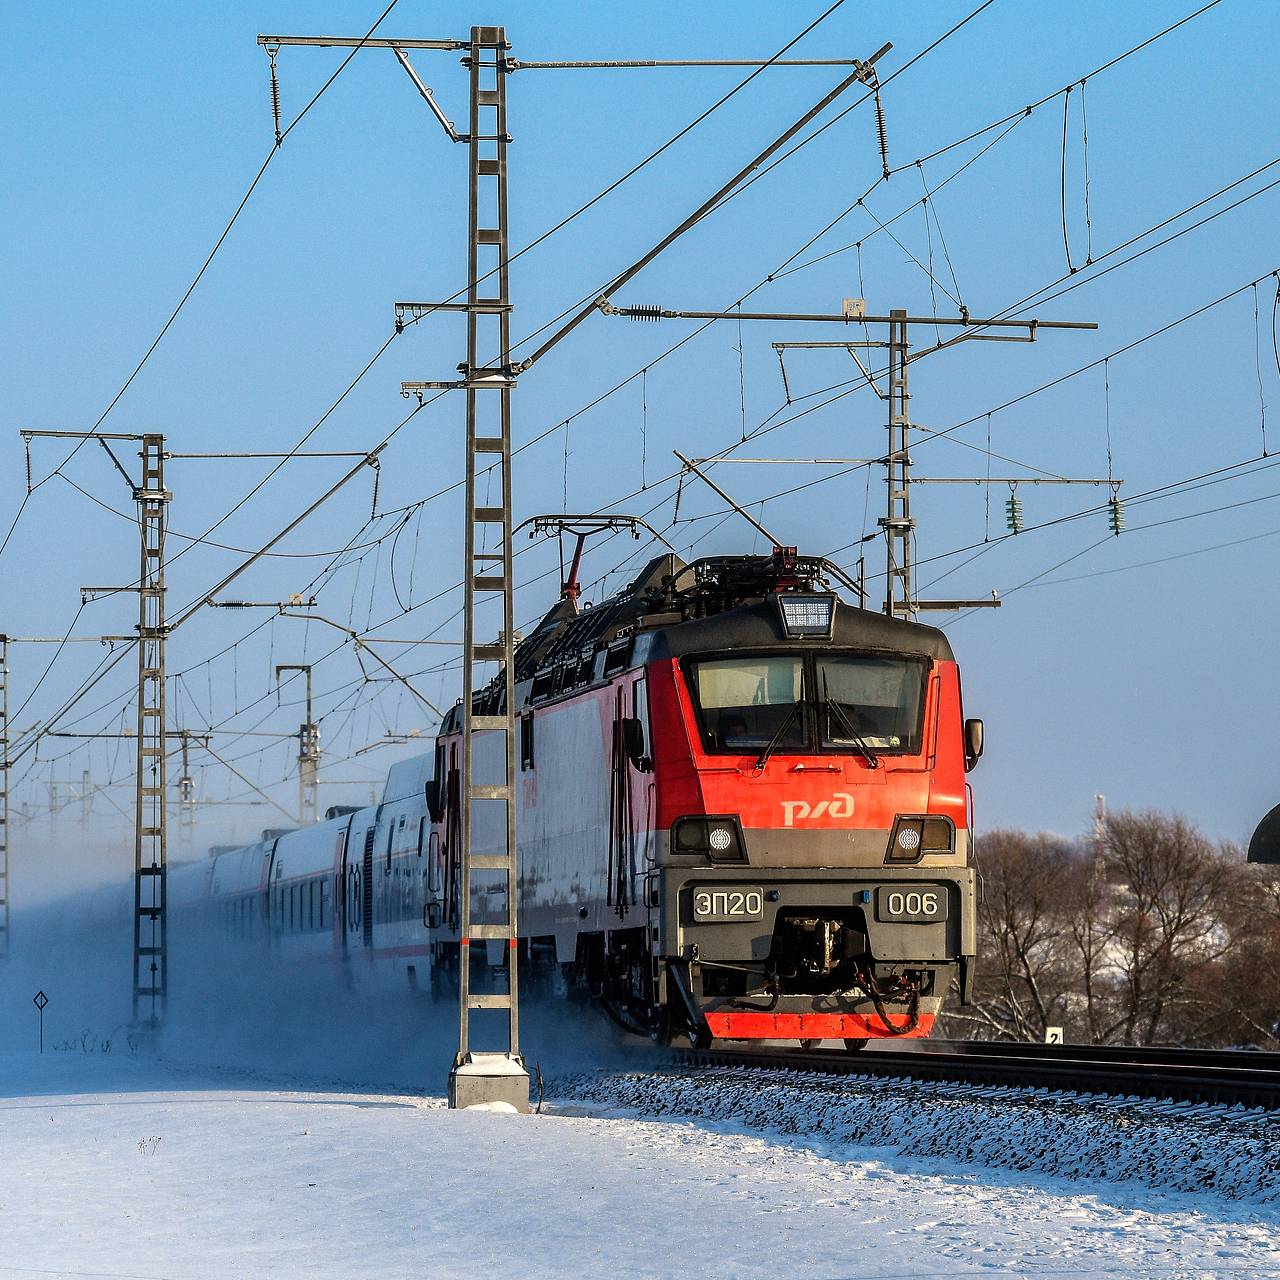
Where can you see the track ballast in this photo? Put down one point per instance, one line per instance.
(1196, 1075)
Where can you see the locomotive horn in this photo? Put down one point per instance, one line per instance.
(1265, 845)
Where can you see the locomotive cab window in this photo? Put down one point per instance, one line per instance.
(875, 701)
(745, 701)
(640, 712)
(862, 704)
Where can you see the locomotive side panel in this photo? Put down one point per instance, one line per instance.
(948, 785)
(563, 822)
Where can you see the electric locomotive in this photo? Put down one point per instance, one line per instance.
(742, 808)
(742, 814)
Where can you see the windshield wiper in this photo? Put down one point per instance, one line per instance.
(778, 734)
(836, 711)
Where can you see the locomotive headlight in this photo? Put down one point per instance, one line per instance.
(806, 615)
(913, 837)
(689, 835)
(718, 838)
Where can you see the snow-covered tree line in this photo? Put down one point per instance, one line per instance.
(1146, 932)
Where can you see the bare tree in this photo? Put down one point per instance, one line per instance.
(1169, 888)
(1243, 1006)
(1147, 932)
(1087, 906)
(1025, 973)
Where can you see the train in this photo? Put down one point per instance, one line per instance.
(743, 814)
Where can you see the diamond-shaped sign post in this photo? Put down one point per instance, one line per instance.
(40, 1000)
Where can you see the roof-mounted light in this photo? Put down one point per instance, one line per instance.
(807, 615)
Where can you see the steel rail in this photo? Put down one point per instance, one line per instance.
(1192, 1075)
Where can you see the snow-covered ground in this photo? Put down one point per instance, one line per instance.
(1230, 1151)
(123, 1168)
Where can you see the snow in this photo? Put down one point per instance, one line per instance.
(1232, 1151)
(132, 1169)
(491, 1064)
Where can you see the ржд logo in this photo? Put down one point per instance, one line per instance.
(839, 806)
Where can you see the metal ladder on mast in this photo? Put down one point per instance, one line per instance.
(486, 1077)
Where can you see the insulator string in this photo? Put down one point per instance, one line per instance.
(1013, 511)
(782, 366)
(1115, 511)
(883, 135)
(275, 94)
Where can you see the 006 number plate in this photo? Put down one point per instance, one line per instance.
(720, 906)
(920, 904)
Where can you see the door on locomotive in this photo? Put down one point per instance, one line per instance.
(444, 810)
(631, 846)
(631, 795)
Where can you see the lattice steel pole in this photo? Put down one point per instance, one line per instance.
(488, 1077)
(899, 599)
(150, 959)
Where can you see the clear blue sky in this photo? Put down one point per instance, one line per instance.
(129, 135)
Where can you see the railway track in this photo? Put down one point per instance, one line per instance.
(1192, 1075)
